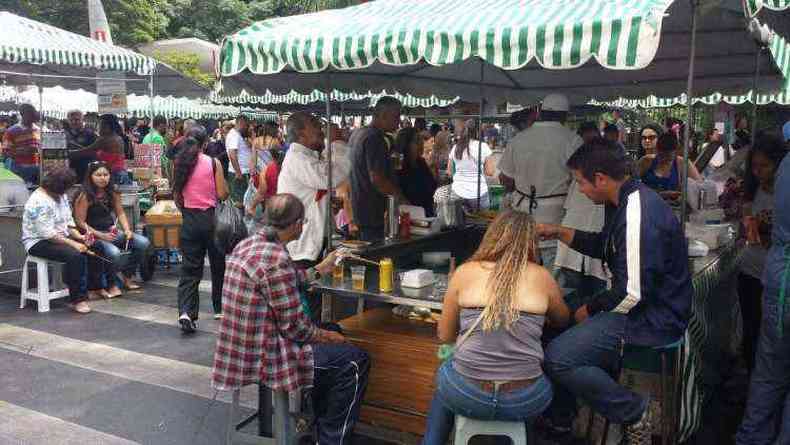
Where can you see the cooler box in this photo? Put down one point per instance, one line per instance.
(163, 222)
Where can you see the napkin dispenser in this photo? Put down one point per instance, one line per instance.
(417, 278)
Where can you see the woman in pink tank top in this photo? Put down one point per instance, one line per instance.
(198, 183)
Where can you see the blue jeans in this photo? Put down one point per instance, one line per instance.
(457, 395)
(583, 360)
(112, 251)
(767, 416)
(28, 173)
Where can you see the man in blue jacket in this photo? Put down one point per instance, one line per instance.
(649, 300)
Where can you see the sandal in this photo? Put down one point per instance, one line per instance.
(110, 294)
(97, 294)
(81, 307)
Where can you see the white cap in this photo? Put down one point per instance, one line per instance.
(556, 102)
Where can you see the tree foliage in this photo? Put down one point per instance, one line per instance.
(132, 22)
(187, 64)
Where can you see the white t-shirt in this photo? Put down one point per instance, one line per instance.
(465, 178)
(581, 214)
(235, 141)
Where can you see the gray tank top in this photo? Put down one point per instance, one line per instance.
(500, 355)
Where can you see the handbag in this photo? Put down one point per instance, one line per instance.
(445, 352)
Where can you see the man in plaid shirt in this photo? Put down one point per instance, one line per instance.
(266, 336)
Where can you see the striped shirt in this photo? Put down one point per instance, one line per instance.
(20, 143)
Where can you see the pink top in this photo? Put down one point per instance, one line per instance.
(200, 191)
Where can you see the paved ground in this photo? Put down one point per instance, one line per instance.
(124, 375)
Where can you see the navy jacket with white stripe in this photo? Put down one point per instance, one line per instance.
(643, 245)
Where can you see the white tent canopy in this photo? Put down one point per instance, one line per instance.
(57, 102)
(36, 53)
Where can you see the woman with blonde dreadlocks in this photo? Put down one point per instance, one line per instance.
(495, 309)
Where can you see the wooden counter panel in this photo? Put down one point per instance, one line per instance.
(403, 366)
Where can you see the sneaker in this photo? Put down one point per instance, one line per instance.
(188, 325)
(639, 433)
(218, 316)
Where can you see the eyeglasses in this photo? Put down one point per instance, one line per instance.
(99, 163)
(650, 137)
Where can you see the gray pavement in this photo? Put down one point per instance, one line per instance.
(123, 374)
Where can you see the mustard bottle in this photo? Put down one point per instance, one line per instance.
(385, 275)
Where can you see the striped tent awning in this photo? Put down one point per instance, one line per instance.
(754, 6)
(57, 102)
(29, 41)
(782, 98)
(318, 97)
(32, 52)
(499, 49)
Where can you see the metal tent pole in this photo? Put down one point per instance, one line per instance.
(328, 147)
(480, 135)
(151, 94)
(689, 115)
(754, 91)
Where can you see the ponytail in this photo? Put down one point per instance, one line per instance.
(189, 151)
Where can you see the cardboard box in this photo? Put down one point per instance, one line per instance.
(163, 221)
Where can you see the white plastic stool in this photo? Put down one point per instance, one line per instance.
(41, 294)
(466, 428)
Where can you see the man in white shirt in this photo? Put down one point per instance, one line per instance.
(533, 167)
(239, 154)
(304, 175)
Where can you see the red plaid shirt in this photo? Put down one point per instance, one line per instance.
(264, 334)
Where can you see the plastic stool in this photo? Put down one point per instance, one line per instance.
(466, 428)
(669, 404)
(41, 294)
(286, 405)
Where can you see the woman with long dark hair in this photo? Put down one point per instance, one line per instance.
(415, 178)
(198, 183)
(48, 232)
(757, 210)
(96, 210)
(661, 171)
(465, 167)
(109, 148)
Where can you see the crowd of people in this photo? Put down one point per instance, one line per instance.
(588, 256)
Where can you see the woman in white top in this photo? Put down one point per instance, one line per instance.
(466, 169)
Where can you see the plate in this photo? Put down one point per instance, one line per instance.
(355, 244)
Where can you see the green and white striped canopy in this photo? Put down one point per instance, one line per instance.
(29, 41)
(782, 98)
(317, 97)
(754, 6)
(34, 52)
(521, 49)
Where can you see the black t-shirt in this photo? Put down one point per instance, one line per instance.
(419, 185)
(369, 152)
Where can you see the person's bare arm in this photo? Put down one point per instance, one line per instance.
(693, 172)
(127, 229)
(219, 180)
(447, 329)
(557, 313)
(385, 186)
